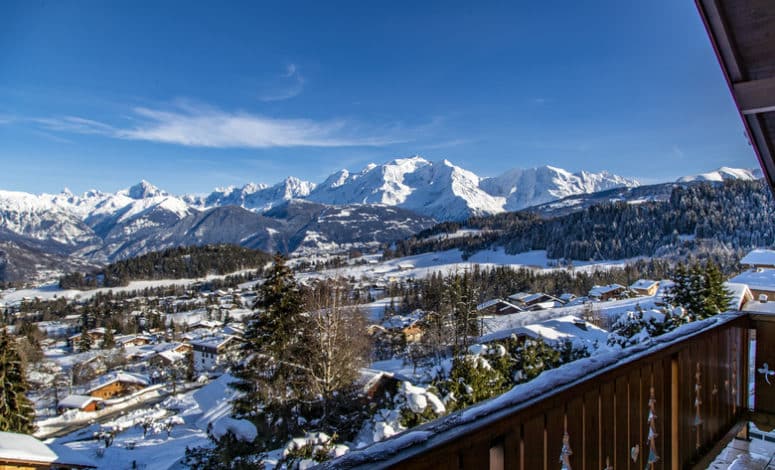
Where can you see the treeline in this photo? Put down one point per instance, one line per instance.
(173, 263)
(735, 215)
(502, 281)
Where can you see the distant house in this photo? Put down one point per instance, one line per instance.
(405, 266)
(79, 402)
(741, 294)
(134, 340)
(213, 351)
(759, 259)
(412, 333)
(603, 293)
(565, 298)
(497, 307)
(118, 384)
(555, 331)
(167, 359)
(537, 301)
(182, 348)
(96, 335)
(760, 281)
(645, 287)
(377, 384)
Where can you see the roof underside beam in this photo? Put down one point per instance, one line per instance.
(743, 36)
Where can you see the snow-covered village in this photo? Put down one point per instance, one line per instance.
(363, 235)
(166, 373)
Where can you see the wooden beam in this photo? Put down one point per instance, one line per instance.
(718, 30)
(756, 96)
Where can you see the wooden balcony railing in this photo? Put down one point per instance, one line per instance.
(661, 406)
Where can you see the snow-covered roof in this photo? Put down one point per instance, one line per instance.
(597, 291)
(76, 401)
(758, 279)
(557, 329)
(14, 446)
(643, 284)
(739, 293)
(172, 356)
(759, 258)
(756, 306)
(487, 304)
(519, 296)
(213, 342)
(119, 376)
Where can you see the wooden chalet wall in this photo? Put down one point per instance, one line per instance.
(606, 416)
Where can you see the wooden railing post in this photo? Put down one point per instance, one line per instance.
(675, 457)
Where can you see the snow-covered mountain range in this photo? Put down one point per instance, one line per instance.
(377, 204)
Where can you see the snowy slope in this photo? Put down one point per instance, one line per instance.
(38, 218)
(530, 187)
(723, 174)
(435, 189)
(257, 197)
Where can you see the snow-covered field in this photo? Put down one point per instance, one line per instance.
(186, 415)
(52, 290)
(451, 261)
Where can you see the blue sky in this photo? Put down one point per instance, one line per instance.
(192, 95)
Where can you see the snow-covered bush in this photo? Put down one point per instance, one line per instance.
(305, 452)
(475, 377)
(639, 326)
(412, 405)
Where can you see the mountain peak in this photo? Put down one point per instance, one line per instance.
(143, 190)
(724, 173)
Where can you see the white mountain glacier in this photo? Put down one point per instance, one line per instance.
(723, 174)
(40, 219)
(530, 187)
(256, 197)
(435, 189)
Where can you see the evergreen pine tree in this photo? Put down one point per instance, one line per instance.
(699, 292)
(84, 342)
(16, 411)
(271, 378)
(108, 341)
(718, 297)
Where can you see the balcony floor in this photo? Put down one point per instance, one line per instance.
(758, 453)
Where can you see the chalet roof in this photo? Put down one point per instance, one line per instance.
(739, 293)
(172, 356)
(759, 258)
(76, 401)
(557, 329)
(597, 291)
(757, 306)
(644, 284)
(14, 446)
(488, 304)
(119, 376)
(519, 296)
(213, 342)
(758, 279)
(741, 34)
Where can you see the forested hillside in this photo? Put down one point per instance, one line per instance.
(733, 216)
(174, 263)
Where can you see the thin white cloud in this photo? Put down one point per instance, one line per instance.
(291, 85)
(677, 152)
(201, 126)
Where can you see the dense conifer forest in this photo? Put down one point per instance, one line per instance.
(731, 217)
(174, 263)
